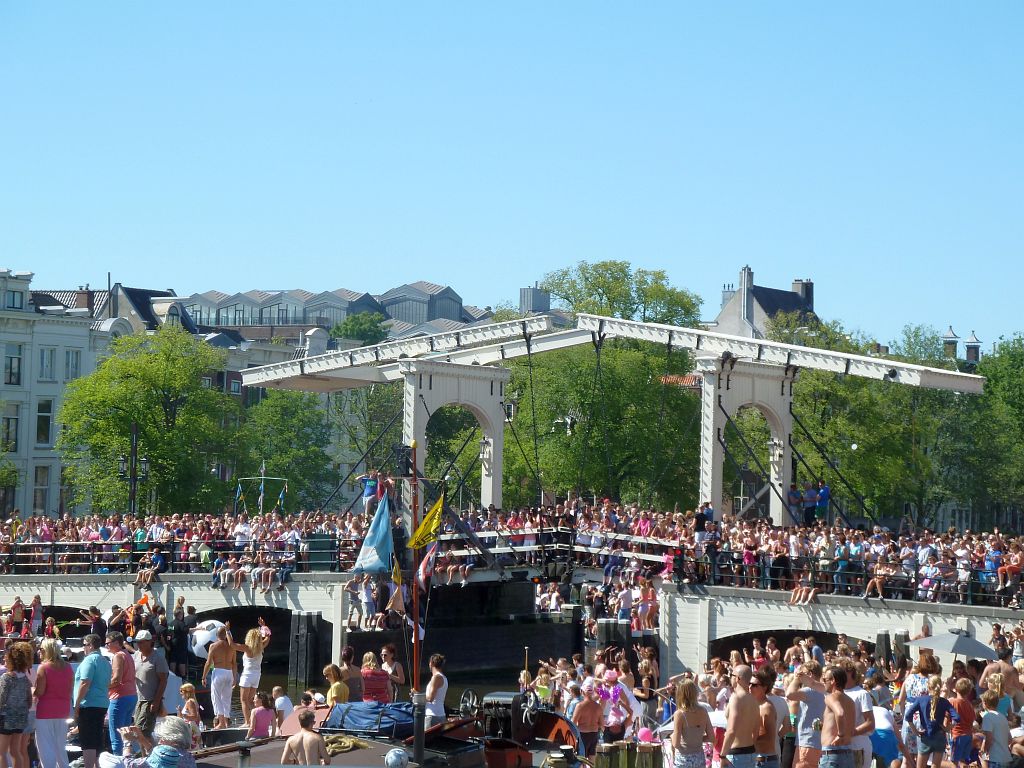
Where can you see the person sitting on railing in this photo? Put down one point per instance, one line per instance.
(155, 564)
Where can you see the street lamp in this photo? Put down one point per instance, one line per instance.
(133, 470)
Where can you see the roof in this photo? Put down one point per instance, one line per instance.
(69, 298)
(428, 288)
(775, 300)
(686, 380)
(475, 313)
(973, 339)
(221, 337)
(142, 300)
(421, 288)
(347, 295)
(212, 296)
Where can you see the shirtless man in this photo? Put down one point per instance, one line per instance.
(220, 668)
(767, 742)
(1011, 680)
(588, 716)
(837, 723)
(743, 721)
(305, 747)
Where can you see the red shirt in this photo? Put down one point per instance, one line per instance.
(965, 711)
(376, 685)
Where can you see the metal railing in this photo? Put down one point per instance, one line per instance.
(611, 552)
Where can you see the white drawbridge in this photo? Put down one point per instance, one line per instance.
(464, 368)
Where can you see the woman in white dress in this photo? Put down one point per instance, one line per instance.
(252, 661)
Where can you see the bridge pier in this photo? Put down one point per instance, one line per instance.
(691, 619)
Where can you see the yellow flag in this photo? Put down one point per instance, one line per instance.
(430, 526)
(396, 572)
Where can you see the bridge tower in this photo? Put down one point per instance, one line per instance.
(728, 385)
(430, 384)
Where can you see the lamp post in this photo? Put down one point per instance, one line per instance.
(133, 470)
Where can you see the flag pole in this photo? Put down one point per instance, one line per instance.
(416, 650)
(419, 697)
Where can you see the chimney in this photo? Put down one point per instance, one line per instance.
(949, 344)
(805, 290)
(85, 299)
(728, 291)
(747, 294)
(973, 349)
(534, 300)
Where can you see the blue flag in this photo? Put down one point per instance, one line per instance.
(238, 493)
(378, 546)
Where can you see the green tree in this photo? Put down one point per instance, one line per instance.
(617, 289)
(154, 380)
(364, 327)
(360, 416)
(289, 430)
(623, 430)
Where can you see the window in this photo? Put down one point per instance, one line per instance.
(12, 364)
(9, 428)
(44, 422)
(7, 499)
(47, 363)
(239, 317)
(15, 300)
(236, 387)
(72, 364)
(173, 316)
(207, 382)
(41, 490)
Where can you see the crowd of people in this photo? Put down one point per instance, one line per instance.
(801, 706)
(817, 557)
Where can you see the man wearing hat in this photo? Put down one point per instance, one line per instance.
(151, 673)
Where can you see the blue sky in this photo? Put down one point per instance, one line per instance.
(873, 147)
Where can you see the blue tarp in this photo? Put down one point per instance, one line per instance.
(371, 717)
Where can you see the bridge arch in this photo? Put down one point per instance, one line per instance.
(728, 386)
(479, 389)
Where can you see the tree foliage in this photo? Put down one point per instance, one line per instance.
(154, 380)
(617, 289)
(364, 327)
(915, 446)
(289, 430)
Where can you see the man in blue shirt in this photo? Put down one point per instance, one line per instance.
(824, 497)
(92, 679)
(369, 481)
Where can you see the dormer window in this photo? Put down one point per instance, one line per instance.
(15, 300)
(173, 316)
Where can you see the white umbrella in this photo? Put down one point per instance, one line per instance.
(959, 643)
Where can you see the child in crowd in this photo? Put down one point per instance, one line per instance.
(189, 712)
(997, 731)
(962, 743)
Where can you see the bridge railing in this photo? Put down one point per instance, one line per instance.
(647, 556)
(611, 552)
(320, 553)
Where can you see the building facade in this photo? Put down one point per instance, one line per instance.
(46, 346)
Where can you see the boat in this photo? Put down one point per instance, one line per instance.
(504, 729)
